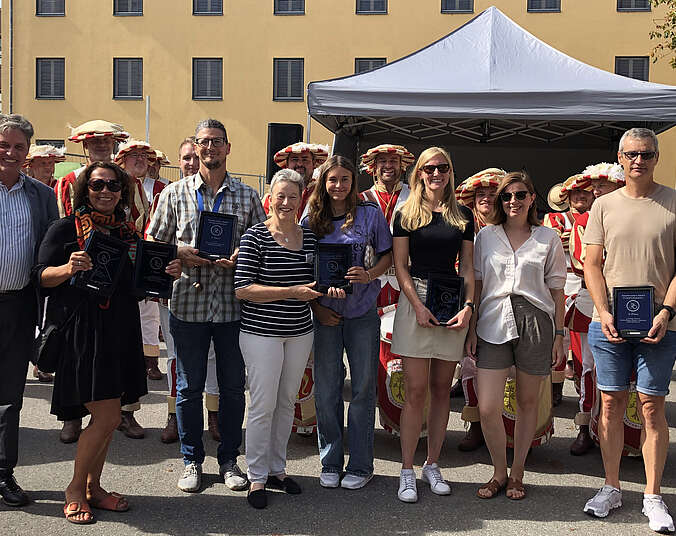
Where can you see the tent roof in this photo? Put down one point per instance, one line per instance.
(488, 80)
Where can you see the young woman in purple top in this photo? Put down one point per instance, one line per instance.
(347, 322)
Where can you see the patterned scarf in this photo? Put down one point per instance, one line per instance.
(87, 220)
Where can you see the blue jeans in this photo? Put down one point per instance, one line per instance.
(360, 337)
(191, 341)
(615, 362)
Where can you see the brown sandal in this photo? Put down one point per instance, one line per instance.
(72, 509)
(112, 501)
(515, 485)
(493, 486)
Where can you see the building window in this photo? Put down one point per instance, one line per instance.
(288, 79)
(457, 6)
(50, 8)
(370, 7)
(632, 66)
(128, 78)
(207, 7)
(128, 7)
(633, 5)
(55, 143)
(289, 7)
(207, 78)
(362, 65)
(539, 6)
(50, 79)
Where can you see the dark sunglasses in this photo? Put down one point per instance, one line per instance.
(99, 184)
(506, 197)
(429, 168)
(645, 155)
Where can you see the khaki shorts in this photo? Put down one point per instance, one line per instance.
(531, 352)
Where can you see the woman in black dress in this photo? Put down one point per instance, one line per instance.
(101, 365)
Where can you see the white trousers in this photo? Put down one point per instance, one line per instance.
(150, 327)
(211, 385)
(275, 368)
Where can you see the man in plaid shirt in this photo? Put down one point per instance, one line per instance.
(203, 304)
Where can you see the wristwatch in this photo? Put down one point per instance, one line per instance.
(670, 310)
(559, 332)
(471, 305)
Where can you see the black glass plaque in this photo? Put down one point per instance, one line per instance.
(108, 255)
(445, 296)
(332, 261)
(216, 235)
(633, 311)
(150, 277)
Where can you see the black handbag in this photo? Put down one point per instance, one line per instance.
(49, 344)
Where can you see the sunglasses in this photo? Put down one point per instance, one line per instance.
(429, 168)
(506, 197)
(99, 184)
(645, 155)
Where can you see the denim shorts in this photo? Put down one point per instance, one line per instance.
(615, 363)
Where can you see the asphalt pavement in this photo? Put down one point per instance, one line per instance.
(146, 471)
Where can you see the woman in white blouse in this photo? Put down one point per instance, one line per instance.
(520, 271)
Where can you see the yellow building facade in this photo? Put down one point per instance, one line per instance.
(170, 37)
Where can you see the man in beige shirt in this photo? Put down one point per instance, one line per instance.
(635, 227)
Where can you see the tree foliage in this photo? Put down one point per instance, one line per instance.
(665, 33)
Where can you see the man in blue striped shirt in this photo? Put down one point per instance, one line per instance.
(26, 208)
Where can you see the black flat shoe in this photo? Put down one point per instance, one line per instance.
(12, 494)
(288, 485)
(257, 498)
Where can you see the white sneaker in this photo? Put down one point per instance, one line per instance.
(407, 488)
(432, 475)
(604, 501)
(191, 479)
(233, 477)
(329, 480)
(355, 481)
(657, 513)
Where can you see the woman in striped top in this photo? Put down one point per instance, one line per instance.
(275, 280)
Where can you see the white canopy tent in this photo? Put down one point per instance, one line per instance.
(490, 83)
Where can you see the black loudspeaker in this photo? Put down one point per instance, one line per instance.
(279, 136)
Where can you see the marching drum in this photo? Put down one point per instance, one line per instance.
(305, 415)
(545, 421)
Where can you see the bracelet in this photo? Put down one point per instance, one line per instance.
(670, 310)
(368, 274)
(559, 332)
(469, 304)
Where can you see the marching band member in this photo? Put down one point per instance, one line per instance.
(477, 193)
(41, 160)
(562, 223)
(387, 164)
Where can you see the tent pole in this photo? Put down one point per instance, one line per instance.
(307, 129)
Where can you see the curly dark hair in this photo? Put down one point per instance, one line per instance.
(81, 191)
(320, 217)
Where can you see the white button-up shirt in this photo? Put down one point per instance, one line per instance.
(531, 271)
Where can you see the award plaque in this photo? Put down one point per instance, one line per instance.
(445, 296)
(332, 261)
(150, 278)
(633, 311)
(216, 235)
(108, 255)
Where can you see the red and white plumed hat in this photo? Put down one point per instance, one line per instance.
(98, 128)
(558, 194)
(320, 153)
(45, 151)
(604, 170)
(368, 159)
(491, 177)
(131, 145)
(162, 158)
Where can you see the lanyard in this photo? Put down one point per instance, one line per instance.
(217, 202)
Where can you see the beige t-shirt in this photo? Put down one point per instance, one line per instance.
(639, 238)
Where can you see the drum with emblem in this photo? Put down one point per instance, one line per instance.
(391, 378)
(545, 419)
(305, 415)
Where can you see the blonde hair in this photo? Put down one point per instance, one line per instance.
(414, 212)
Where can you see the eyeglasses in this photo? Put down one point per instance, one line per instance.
(429, 168)
(645, 155)
(506, 197)
(99, 184)
(216, 142)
